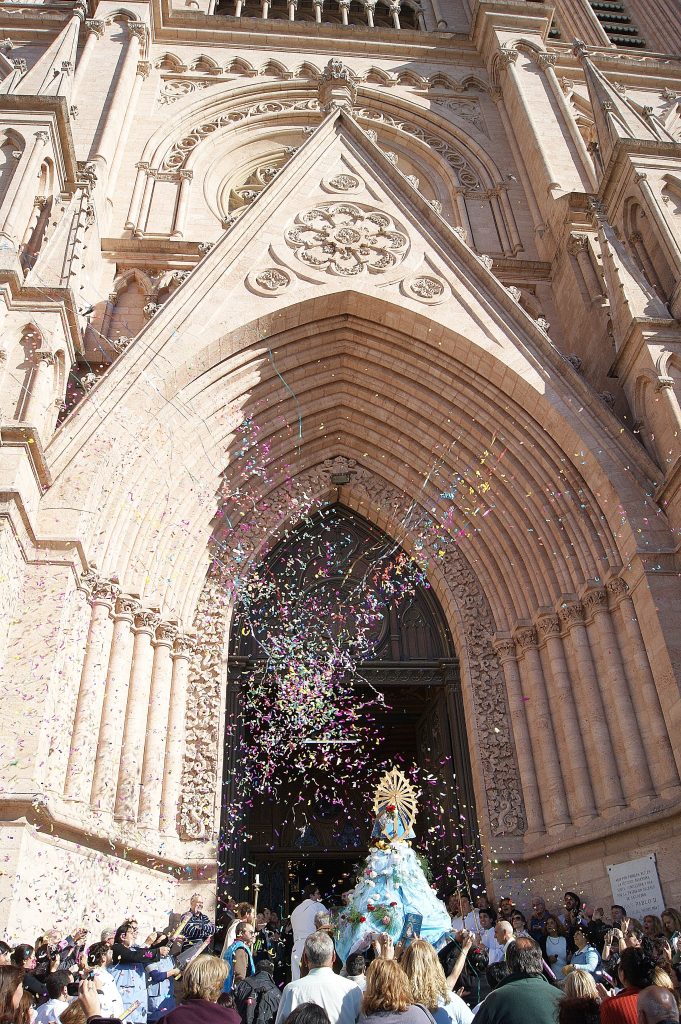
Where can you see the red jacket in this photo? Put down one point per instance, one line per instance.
(620, 1009)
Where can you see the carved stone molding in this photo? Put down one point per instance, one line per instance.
(179, 152)
(491, 723)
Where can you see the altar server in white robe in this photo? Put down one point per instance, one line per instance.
(302, 923)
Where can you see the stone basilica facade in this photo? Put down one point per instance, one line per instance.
(392, 235)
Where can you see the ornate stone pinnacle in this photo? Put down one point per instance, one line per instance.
(337, 86)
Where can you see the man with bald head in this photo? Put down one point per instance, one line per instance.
(657, 1006)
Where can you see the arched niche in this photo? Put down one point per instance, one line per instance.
(330, 566)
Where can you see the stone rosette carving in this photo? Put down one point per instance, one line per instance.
(270, 281)
(346, 240)
(342, 183)
(491, 724)
(426, 287)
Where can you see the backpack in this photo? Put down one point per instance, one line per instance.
(257, 1000)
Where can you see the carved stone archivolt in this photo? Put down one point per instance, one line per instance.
(345, 240)
(491, 724)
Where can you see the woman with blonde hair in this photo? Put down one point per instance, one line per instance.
(203, 981)
(429, 985)
(387, 997)
(580, 985)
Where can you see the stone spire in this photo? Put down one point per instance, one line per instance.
(615, 117)
(52, 75)
(631, 297)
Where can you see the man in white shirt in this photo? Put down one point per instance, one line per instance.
(488, 938)
(503, 936)
(340, 997)
(58, 1000)
(303, 924)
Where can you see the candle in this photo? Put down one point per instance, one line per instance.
(257, 879)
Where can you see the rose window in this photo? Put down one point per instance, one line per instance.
(343, 239)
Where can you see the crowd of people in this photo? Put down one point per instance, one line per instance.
(502, 965)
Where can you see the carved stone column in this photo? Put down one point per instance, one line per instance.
(41, 390)
(644, 693)
(551, 789)
(113, 710)
(577, 784)
(157, 726)
(90, 691)
(591, 710)
(506, 649)
(127, 795)
(143, 70)
(95, 30)
(182, 203)
(174, 753)
(120, 101)
(16, 205)
(634, 773)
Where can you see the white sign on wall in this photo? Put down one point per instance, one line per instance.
(636, 886)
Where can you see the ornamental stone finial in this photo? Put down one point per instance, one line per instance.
(337, 86)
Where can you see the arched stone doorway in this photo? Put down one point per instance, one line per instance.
(329, 562)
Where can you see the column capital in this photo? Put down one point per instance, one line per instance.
(139, 30)
(42, 136)
(104, 591)
(186, 175)
(505, 648)
(595, 600)
(95, 26)
(184, 645)
(127, 607)
(664, 383)
(144, 68)
(146, 621)
(506, 56)
(165, 634)
(545, 60)
(43, 355)
(526, 638)
(19, 64)
(571, 613)
(548, 625)
(617, 589)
